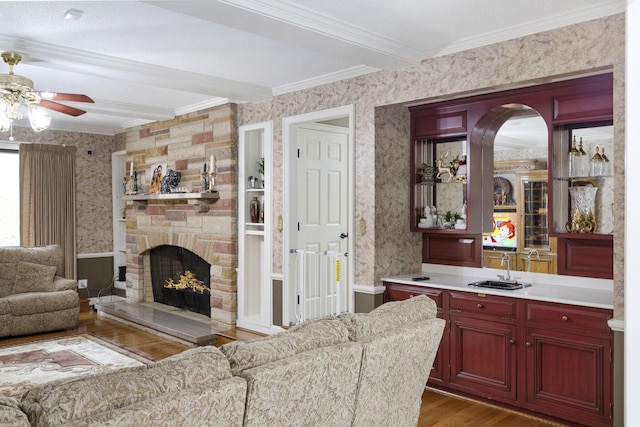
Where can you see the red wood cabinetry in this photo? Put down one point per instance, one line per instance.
(553, 359)
(482, 351)
(569, 362)
(472, 123)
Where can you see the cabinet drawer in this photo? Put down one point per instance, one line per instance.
(482, 304)
(399, 292)
(584, 318)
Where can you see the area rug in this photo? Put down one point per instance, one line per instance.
(27, 365)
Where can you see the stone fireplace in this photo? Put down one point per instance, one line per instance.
(205, 227)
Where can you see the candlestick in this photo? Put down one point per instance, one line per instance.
(131, 169)
(212, 181)
(212, 163)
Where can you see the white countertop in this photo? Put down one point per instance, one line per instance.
(591, 293)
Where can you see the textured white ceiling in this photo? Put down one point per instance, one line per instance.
(150, 60)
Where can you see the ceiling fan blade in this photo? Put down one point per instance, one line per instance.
(53, 96)
(61, 108)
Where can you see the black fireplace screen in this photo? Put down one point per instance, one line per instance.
(171, 262)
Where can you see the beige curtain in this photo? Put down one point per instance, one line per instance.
(48, 199)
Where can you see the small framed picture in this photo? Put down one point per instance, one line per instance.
(157, 173)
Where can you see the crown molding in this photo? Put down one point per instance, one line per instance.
(521, 30)
(325, 79)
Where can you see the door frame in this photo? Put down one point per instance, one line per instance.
(289, 142)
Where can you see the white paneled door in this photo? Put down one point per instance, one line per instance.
(322, 167)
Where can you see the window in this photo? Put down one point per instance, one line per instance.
(9, 197)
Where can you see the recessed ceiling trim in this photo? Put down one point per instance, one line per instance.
(299, 26)
(39, 54)
(79, 128)
(312, 20)
(121, 109)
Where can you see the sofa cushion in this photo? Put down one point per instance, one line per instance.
(41, 302)
(320, 333)
(12, 255)
(5, 308)
(33, 278)
(60, 402)
(389, 316)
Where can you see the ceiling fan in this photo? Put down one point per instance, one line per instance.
(17, 91)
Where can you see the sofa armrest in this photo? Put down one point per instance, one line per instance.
(10, 413)
(63, 284)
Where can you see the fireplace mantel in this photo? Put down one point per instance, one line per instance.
(174, 196)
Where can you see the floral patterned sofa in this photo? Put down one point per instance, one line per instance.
(348, 370)
(33, 296)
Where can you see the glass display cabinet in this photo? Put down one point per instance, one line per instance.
(439, 187)
(535, 205)
(583, 179)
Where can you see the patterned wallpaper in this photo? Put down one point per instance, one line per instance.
(381, 192)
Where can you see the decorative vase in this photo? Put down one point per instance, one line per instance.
(255, 210)
(582, 218)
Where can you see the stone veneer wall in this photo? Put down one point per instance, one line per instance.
(207, 228)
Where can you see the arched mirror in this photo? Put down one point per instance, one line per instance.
(516, 230)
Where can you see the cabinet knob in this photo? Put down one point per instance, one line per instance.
(512, 341)
(565, 318)
(480, 305)
(528, 344)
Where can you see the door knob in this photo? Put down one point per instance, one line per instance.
(344, 235)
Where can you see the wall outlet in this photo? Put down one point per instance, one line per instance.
(82, 284)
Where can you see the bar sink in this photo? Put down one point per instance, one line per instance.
(497, 284)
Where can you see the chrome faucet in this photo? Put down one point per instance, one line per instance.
(505, 256)
(531, 252)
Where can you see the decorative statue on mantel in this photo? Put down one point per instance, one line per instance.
(170, 181)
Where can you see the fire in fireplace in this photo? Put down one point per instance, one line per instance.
(180, 278)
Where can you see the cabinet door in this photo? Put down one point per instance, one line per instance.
(483, 357)
(569, 376)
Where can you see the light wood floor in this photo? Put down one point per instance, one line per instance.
(438, 409)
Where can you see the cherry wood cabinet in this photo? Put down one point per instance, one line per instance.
(564, 106)
(569, 359)
(483, 334)
(549, 358)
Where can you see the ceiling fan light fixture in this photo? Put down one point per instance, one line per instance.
(5, 121)
(47, 95)
(73, 14)
(38, 119)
